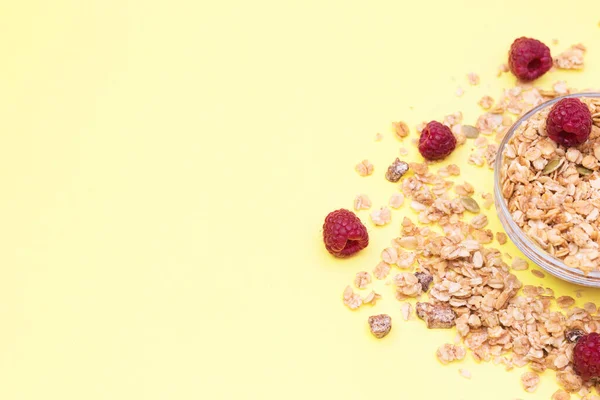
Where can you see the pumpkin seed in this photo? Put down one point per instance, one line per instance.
(470, 131)
(551, 166)
(470, 204)
(583, 170)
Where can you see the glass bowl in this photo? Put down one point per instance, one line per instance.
(527, 246)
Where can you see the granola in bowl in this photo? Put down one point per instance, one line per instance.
(549, 195)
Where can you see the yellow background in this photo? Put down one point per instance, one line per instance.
(166, 167)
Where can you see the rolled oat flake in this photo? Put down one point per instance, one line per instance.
(470, 204)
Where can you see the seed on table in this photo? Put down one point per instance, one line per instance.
(470, 204)
(470, 131)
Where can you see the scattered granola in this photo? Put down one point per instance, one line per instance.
(362, 279)
(488, 200)
(396, 200)
(459, 92)
(436, 316)
(502, 69)
(362, 202)
(406, 309)
(378, 137)
(519, 264)
(389, 255)
(396, 170)
(449, 352)
(424, 279)
(380, 325)
(364, 168)
(486, 102)
(530, 381)
(561, 395)
(381, 270)
(465, 373)
(407, 285)
(537, 273)
(381, 216)
(401, 129)
(371, 298)
(501, 237)
(565, 301)
(403, 151)
(572, 58)
(473, 78)
(351, 299)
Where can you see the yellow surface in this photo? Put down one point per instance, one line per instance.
(166, 167)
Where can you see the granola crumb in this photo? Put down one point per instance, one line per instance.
(396, 200)
(371, 298)
(465, 373)
(530, 381)
(519, 264)
(378, 137)
(453, 169)
(590, 308)
(565, 301)
(503, 68)
(364, 168)
(572, 58)
(362, 279)
(561, 395)
(401, 129)
(486, 102)
(501, 237)
(406, 309)
(381, 216)
(351, 299)
(473, 78)
(538, 273)
(449, 352)
(380, 325)
(381, 270)
(403, 151)
(389, 255)
(459, 92)
(362, 202)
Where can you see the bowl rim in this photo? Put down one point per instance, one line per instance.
(523, 242)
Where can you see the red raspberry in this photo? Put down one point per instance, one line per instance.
(529, 59)
(344, 234)
(569, 122)
(586, 356)
(436, 141)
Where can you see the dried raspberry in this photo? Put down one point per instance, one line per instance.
(586, 356)
(436, 141)
(569, 122)
(529, 59)
(344, 234)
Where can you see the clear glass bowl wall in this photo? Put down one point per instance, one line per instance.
(529, 248)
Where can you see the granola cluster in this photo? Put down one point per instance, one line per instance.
(553, 192)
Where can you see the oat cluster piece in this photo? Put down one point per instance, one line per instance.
(553, 192)
(380, 325)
